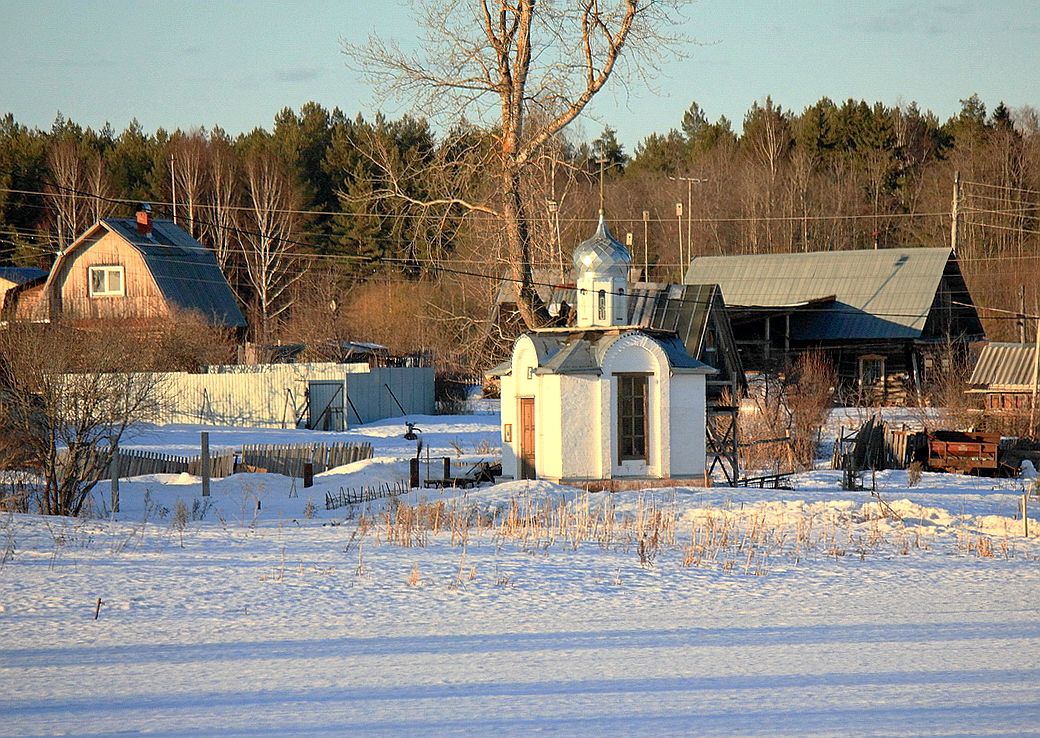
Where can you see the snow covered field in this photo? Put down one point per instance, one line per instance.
(522, 608)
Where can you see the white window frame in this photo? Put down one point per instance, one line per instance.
(107, 270)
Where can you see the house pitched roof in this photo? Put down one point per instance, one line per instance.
(186, 272)
(21, 275)
(883, 293)
(1005, 365)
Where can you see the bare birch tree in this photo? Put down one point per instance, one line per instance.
(68, 175)
(267, 238)
(498, 61)
(189, 158)
(223, 190)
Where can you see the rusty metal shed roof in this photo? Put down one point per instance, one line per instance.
(1005, 366)
(883, 293)
(186, 272)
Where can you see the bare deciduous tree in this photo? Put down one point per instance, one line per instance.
(67, 403)
(501, 61)
(79, 193)
(268, 245)
(190, 162)
(224, 188)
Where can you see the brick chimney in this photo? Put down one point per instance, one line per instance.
(144, 219)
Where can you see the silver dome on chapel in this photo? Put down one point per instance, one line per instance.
(603, 254)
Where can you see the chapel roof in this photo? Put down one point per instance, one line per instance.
(602, 253)
(583, 352)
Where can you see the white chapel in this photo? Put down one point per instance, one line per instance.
(602, 400)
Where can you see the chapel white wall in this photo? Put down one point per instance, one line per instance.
(582, 427)
(687, 425)
(509, 410)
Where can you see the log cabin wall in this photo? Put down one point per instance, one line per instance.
(70, 285)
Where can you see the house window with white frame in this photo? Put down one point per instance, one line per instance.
(106, 281)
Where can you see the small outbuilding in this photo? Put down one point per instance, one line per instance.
(603, 399)
(1005, 376)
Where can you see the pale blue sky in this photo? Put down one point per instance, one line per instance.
(182, 64)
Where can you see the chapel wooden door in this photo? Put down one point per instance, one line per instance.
(527, 466)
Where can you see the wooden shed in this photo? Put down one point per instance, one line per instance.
(130, 269)
(1005, 377)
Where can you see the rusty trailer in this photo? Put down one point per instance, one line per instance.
(956, 451)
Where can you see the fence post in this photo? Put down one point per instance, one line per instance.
(447, 468)
(1025, 515)
(413, 472)
(113, 472)
(205, 462)
(308, 474)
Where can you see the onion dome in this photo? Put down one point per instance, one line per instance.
(603, 254)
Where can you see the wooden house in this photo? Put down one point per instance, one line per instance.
(129, 269)
(885, 318)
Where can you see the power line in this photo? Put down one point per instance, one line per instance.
(411, 216)
(1002, 187)
(448, 270)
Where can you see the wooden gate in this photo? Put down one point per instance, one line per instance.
(527, 465)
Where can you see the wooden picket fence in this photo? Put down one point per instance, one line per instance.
(288, 459)
(134, 463)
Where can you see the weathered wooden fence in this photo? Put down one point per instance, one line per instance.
(288, 459)
(134, 463)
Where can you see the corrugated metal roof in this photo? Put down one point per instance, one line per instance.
(884, 293)
(1005, 365)
(21, 275)
(186, 272)
(682, 309)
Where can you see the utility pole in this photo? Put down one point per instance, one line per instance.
(1036, 373)
(646, 248)
(956, 211)
(554, 209)
(173, 189)
(628, 243)
(554, 214)
(678, 231)
(1021, 317)
(689, 219)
